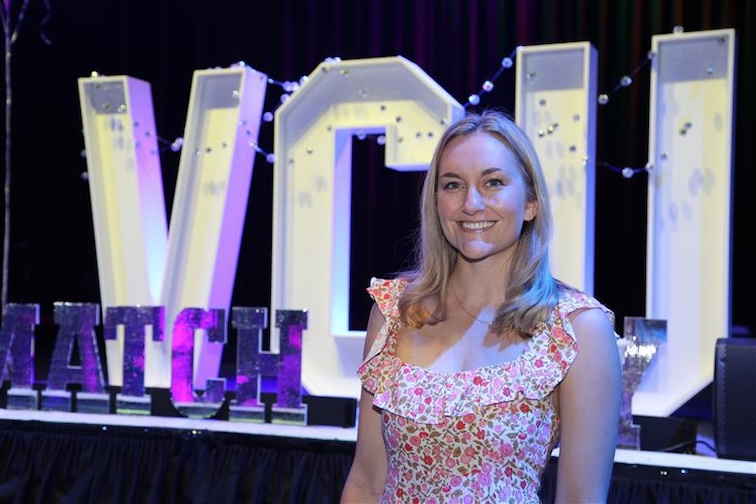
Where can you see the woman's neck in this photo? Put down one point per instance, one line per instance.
(479, 284)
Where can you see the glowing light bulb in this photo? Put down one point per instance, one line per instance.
(177, 144)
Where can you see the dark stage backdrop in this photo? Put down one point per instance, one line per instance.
(458, 43)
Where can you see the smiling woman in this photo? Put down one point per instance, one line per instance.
(479, 350)
(482, 197)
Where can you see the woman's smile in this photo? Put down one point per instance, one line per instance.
(477, 225)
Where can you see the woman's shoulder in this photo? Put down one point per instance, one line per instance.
(573, 301)
(579, 317)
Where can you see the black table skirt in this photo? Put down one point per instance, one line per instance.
(46, 463)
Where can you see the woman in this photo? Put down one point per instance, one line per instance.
(479, 361)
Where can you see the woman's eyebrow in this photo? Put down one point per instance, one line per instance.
(487, 171)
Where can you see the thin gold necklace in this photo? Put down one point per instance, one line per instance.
(459, 301)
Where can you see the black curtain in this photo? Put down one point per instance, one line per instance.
(459, 44)
(44, 463)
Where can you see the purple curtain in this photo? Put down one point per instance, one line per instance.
(459, 44)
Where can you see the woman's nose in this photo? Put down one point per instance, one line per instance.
(473, 201)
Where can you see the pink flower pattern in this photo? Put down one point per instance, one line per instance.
(482, 435)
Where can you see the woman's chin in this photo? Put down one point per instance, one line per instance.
(474, 252)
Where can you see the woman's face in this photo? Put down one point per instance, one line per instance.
(482, 198)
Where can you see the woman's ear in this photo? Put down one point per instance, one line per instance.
(531, 210)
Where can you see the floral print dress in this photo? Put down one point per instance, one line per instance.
(482, 435)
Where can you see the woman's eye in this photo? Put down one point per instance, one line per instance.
(451, 185)
(495, 183)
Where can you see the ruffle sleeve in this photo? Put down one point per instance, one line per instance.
(372, 371)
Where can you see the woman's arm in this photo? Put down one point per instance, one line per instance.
(589, 406)
(367, 476)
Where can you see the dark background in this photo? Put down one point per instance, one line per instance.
(458, 43)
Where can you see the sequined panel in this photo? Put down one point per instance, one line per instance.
(289, 407)
(251, 363)
(188, 402)
(134, 319)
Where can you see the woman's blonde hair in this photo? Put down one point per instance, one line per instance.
(532, 291)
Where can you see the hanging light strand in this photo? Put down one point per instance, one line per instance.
(488, 85)
(626, 171)
(289, 88)
(626, 80)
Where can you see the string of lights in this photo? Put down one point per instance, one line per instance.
(474, 99)
(289, 87)
(603, 99)
(488, 85)
(625, 171)
(626, 80)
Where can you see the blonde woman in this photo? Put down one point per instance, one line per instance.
(479, 362)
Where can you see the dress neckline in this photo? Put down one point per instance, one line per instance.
(531, 346)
